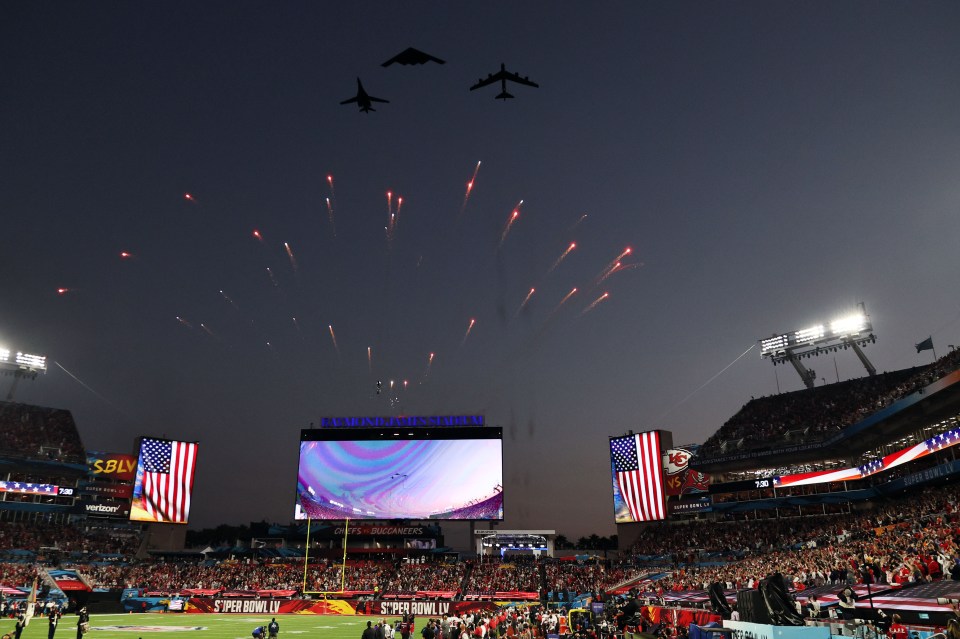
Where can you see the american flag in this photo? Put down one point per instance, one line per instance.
(167, 478)
(636, 465)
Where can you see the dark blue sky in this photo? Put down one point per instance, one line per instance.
(770, 164)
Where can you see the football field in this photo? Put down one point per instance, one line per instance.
(207, 626)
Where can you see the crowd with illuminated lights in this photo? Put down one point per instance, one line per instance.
(823, 410)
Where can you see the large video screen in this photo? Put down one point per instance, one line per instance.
(637, 469)
(400, 473)
(163, 484)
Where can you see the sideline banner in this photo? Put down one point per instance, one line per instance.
(314, 606)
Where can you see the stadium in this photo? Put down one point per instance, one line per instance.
(816, 512)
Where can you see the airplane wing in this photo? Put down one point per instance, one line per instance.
(491, 79)
(513, 77)
(412, 56)
(373, 99)
(351, 100)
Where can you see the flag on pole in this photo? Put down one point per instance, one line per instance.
(925, 345)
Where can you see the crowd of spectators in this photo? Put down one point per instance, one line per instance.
(42, 539)
(493, 575)
(813, 414)
(17, 575)
(915, 538)
(34, 432)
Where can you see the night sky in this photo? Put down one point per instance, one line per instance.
(770, 165)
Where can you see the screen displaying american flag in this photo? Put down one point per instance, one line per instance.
(637, 478)
(164, 481)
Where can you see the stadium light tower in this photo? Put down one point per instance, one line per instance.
(850, 331)
(20, 365)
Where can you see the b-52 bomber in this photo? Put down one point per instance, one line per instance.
(502, 76)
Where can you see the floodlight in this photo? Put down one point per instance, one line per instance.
(849, 325)
(809, 334)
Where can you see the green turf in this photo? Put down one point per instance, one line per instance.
(208, 626)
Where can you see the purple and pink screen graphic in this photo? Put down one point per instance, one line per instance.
(400, 479)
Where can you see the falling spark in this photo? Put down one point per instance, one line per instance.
(188, 197)
(467, 334)
(62, 291)
(296, 325)
(333, 336)
(391, 384)
(257, 236)
(270, 346)
(617, 268)
(184, 322)
(566, 297)
(523, 304)
(606, 272)
(391, 217)
(293, 260)
(570, 248)
(207, 331)
(594, 303)
(429, 366)
(370, 360)
(333, 193)
(405, 383)
(510, 220)
(399, 205)
(577, 223)
(125, 255)
(333, 223)
(272, 278)
(228, 298)
(473, 180)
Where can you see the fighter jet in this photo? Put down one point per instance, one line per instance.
(363, 100)
(502, 76)
(412, 56)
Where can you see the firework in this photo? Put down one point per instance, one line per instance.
(273, 278)
(333, 224)
(188, 197)
(370, 360)
(333, 193)
(563, 255)
(257, 236)
(184, 322)
(577, 223)
(229, 300)
(125, 255)
(617, 268)
(333, 337)
(426, 373)
(62, 290)
(399, 205)
(207, 330)
(566, 297)
(473, 180)
(523, 304)
(594, 303)
(467, 334)
(293, 260)
(614, 264)
(510, 220)
(405, 384)
(296, 325)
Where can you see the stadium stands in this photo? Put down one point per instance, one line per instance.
(34, 432)
(813, 414)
